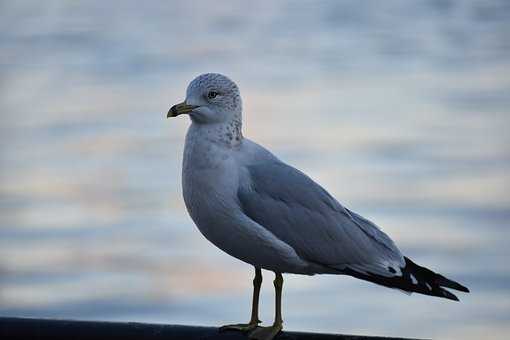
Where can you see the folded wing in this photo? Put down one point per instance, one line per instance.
(302, 214)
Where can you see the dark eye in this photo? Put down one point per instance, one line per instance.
(212, 94)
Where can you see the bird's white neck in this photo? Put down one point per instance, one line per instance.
(207, 144)
(228, 134)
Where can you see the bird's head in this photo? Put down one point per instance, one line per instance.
(210, 98)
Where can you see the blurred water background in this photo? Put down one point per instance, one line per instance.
(400, 109)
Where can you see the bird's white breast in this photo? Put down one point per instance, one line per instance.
(210, 180)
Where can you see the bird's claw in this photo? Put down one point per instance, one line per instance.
(242, 327)
(265, 333)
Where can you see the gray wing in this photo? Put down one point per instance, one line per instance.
(302, 214)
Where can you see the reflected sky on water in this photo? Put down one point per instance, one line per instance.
(401, 110)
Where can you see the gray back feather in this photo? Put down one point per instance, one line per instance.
(301, 213)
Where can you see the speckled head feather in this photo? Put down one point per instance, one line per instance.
(218, 102)
(228, 96)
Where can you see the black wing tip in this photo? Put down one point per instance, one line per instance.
(429, 282)
(438, 279)
(444, 282)
(462, 288)
(448, 295)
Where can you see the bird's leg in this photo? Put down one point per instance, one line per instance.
(268, 333)
(254, 321)
(257, 282)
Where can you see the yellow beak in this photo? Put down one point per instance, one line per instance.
(180, 109)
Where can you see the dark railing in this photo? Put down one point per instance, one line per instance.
(31, 329)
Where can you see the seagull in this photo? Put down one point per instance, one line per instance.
(267, 213)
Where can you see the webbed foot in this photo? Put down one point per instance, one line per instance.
(265, 333)
(242, 327)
